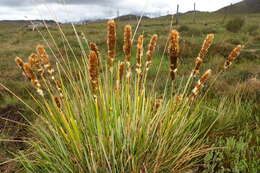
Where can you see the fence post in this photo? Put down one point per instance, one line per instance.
(177, 15)
(194, 13)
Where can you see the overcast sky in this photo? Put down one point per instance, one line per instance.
(75, 10)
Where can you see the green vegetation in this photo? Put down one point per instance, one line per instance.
(235, 25)
(214, 135)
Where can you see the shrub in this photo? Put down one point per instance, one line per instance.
(184, 28)
(209, 31)
(235, 25)
(194, 32)
(252, 29)
(234, 155)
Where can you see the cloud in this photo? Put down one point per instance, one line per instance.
(19, 3)
(74, 10)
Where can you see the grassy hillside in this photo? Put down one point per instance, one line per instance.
(238, 8)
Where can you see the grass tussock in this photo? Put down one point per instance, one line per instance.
(99, 115)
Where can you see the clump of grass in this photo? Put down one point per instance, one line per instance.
(109, 120)
(235, 25)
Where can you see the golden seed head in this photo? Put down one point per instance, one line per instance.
(174, 47)
(19, 62)
(233, 55)
(198, 63)
(94, 48)
(57, 100)
(127, 42)
(139, 53)
(200, 83)
(33, 59)
(151, 49)
(205, 76)
(28, 72)
(174, 50)
(44, 58)
(206, 44)
(111, 41)
(121, 70)
(93, 69)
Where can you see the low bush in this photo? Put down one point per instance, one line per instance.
(252, 29)
(235, 25)
(184, 28)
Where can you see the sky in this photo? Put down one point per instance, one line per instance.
(76, 10)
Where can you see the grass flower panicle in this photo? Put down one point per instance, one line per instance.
(206, 45)
(94, 70)
(200, 83)
(19, 62)
(127, 43)
(204, 50)
(139, 54)
(32, 77)
(111, 41)
(232, 56)
(150, 51)
(173, 51)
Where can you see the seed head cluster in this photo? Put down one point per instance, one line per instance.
(151, 50)
(111, 41)
(204, 50)
(38, 64)
(200, 83)
(232, 56)
(127, 42)
(139, 54)
(94, 70)
(173, 50)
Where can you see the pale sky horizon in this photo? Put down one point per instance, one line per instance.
(76, 10)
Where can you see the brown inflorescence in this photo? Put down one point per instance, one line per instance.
(127, 43)
(204, 50)
(42, 54)
(201, 82)
(206, 44)
(32, 77)
(121, 70)
(28, 72)
(173, 51)
(151, 49)
(44, 60)
(198, 63)
(111, 41)
(139, 54)
(93, 70)
(19, 62)
(34, 60)
(94, 48)
(233, 55)
(57, 100)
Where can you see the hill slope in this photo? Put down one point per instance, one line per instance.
(240, 7)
